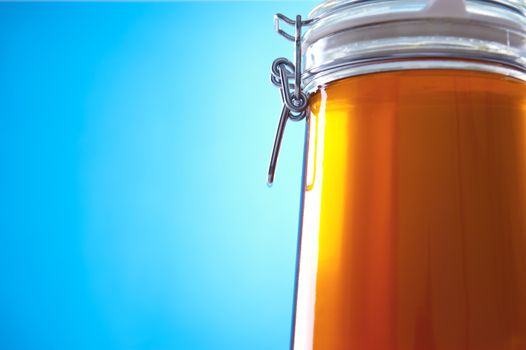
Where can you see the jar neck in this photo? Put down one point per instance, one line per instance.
(358, 69)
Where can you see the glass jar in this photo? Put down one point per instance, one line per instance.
(413, 230)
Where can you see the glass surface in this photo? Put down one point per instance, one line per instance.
(414, 226)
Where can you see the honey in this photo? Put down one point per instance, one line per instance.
(414, 214)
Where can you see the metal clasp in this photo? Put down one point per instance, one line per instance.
(287, 77)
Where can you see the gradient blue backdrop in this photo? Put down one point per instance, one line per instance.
(134, 141)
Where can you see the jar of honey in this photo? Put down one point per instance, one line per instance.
(413, 230)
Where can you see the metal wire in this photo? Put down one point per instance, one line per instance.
(287, 77)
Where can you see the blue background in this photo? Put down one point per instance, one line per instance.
(134, 141)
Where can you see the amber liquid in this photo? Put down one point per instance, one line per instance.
(414, 223)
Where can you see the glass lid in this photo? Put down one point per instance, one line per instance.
(349, 37)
